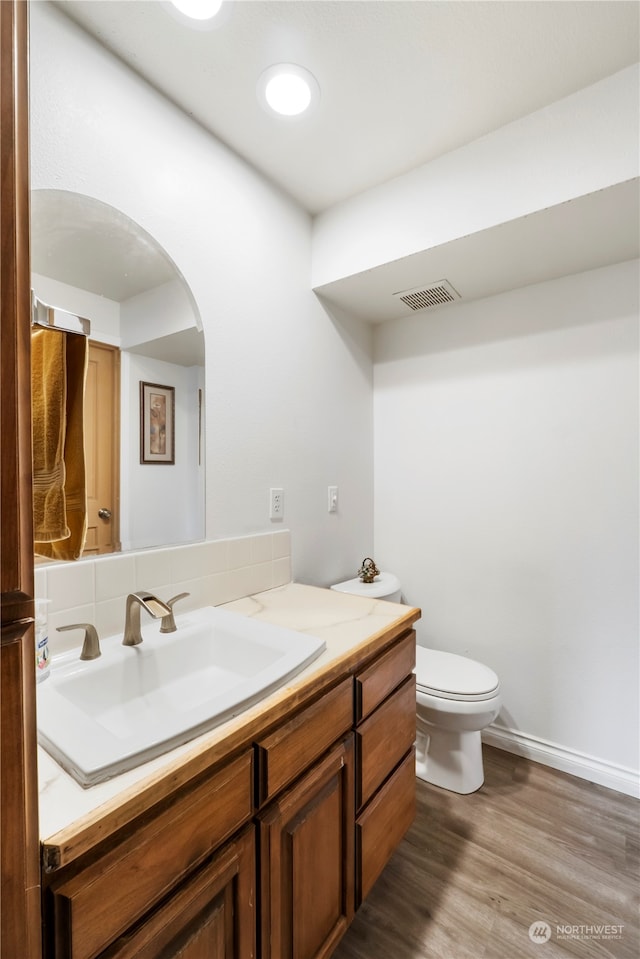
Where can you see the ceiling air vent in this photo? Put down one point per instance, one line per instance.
(423, 297)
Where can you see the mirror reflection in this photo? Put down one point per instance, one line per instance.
(144, 358)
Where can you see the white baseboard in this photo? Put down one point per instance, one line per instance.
(620, 778)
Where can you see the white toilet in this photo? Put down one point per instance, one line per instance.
(456, 698)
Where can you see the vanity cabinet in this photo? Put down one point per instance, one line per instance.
(311, 876)
(268, 853)
(306, 834)
(306, 861)
(128, 891)
(385, 713)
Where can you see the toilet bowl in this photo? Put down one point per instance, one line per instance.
(456, 698)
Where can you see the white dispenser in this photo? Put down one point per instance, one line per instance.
(43, 661)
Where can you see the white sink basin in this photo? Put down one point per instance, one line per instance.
(102, 717)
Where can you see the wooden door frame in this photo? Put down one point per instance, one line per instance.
(20, 924)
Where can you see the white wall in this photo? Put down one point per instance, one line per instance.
(104, 314)
(583, 143)
(160, 311)
(288, 388)
(163, 504)
(506, 497)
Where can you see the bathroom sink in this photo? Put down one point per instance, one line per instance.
(102, 717)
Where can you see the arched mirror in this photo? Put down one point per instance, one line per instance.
(144, 389)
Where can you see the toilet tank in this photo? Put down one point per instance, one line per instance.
(385, 586)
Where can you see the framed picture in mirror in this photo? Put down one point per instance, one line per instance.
(157, 423)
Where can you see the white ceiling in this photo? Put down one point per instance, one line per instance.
(78, 240)
(402, 81)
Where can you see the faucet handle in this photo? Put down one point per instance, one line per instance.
(91, 643)
(168, 624)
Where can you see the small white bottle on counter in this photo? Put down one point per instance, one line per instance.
(43, 662)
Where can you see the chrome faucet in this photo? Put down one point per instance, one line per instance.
(135, 601)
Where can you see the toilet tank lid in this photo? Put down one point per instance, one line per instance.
(383, 585)
(450, 673)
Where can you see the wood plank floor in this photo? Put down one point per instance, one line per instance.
(533, 845)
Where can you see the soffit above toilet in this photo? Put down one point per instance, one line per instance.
(587, 233)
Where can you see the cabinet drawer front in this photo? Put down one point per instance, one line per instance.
(383, 739)
(294, 746)
(196, 919)
(103, 900)
(374, 684)
(382, 825)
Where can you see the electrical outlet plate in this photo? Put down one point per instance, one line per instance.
(276, 503)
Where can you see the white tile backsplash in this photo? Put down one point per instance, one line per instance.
(153, 569)
(190, 562)
(281, 571)
(94, 590)
(219, 557)
(240, 552)
(70, 585)
(114, 576)
(281, 545)
(261, 549)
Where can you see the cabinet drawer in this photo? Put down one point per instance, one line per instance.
(291, 749)
(196, 919)
(102, 901)
(383, 739)
(382, 825)
(374, 684)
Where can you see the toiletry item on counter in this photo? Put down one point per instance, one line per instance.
(43, 662)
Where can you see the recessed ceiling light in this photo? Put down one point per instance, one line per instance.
(199, 14)
(288, 90)
(198, 9)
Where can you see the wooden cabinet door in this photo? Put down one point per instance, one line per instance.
(212, 916)
(307, 861)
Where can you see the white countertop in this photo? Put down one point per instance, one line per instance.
(342, 620)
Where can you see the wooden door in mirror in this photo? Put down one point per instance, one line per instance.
(102, 449)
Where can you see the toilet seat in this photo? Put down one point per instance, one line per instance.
(449, 676)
